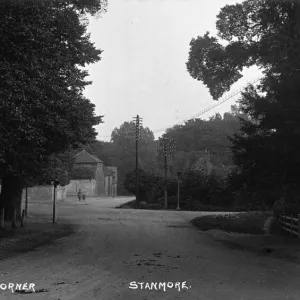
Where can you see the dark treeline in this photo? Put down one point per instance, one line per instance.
(44, 48)
(266, 152)
(202, 153)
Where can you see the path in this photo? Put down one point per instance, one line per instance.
(114, 247)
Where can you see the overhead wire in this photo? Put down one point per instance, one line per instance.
(205, 110)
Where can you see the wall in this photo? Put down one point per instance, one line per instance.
(86, 186)
(44, 193)
(95, 187)
(106, 186)
(115, 183)
(100, 180)
(61, 193)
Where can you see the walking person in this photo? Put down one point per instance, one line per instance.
(79, 194)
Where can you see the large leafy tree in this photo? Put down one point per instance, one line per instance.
(44, 47)
(267, 34)
(196, 136)
(150, 185)
(123, 141)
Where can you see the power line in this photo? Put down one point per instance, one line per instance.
(231, 95)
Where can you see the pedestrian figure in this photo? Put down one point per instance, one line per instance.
(79, 194)
(83, 196)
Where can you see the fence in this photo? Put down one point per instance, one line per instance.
(290, 224)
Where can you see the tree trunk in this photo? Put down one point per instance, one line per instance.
(11, 196)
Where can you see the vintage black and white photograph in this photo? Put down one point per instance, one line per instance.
(150, 149)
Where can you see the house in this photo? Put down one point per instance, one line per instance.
(104, 182)
(110, 175)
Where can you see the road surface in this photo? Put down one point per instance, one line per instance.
(113, 248)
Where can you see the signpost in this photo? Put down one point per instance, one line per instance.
(55, 184)
(26, 201)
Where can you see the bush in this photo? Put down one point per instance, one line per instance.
(155, 206)
(143, 205)
(249, 223)
(172, 201)
(149, 184)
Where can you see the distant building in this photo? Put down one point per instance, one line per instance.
(104, 182)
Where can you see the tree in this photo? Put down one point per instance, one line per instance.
(150, 184)
(104, 150)
(44, 47)
(267, 34)
(123, 141)
(197, 136)
(263, 33)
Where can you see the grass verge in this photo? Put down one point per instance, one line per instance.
(130, 204)
(250, 222)
(36, 233)
(244, 231)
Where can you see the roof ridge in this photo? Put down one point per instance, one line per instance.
(80, 152)
(93, 157)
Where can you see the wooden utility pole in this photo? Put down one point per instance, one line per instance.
(55, 184)
(54, 204)
(2, 211)
(26, 201)
(14, 219)
(178, 189)
(138, 123)
(166, 147)
(166, 176)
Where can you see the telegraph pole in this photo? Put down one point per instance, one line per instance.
(55, 184)
(138, 123)
(166, 147)
(166, 172)
(26, 201)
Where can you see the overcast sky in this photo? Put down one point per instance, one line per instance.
(143, 70)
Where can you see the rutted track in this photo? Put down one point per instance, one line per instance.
(113, 247)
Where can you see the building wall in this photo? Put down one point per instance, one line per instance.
(114, 183)
(106, 185)
(100, 180)
(94, 187)
(100, 186)
(87, 186)
(44, 193)
(61, 193)
(92, 166)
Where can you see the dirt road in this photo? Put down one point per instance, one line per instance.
(115, 247)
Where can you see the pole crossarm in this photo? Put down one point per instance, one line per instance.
(137, 121)
(166, 147)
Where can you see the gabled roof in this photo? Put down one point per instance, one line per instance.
(84, 157)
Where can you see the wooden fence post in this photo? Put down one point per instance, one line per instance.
(2, 217)
(284, 220)
(298, 225)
